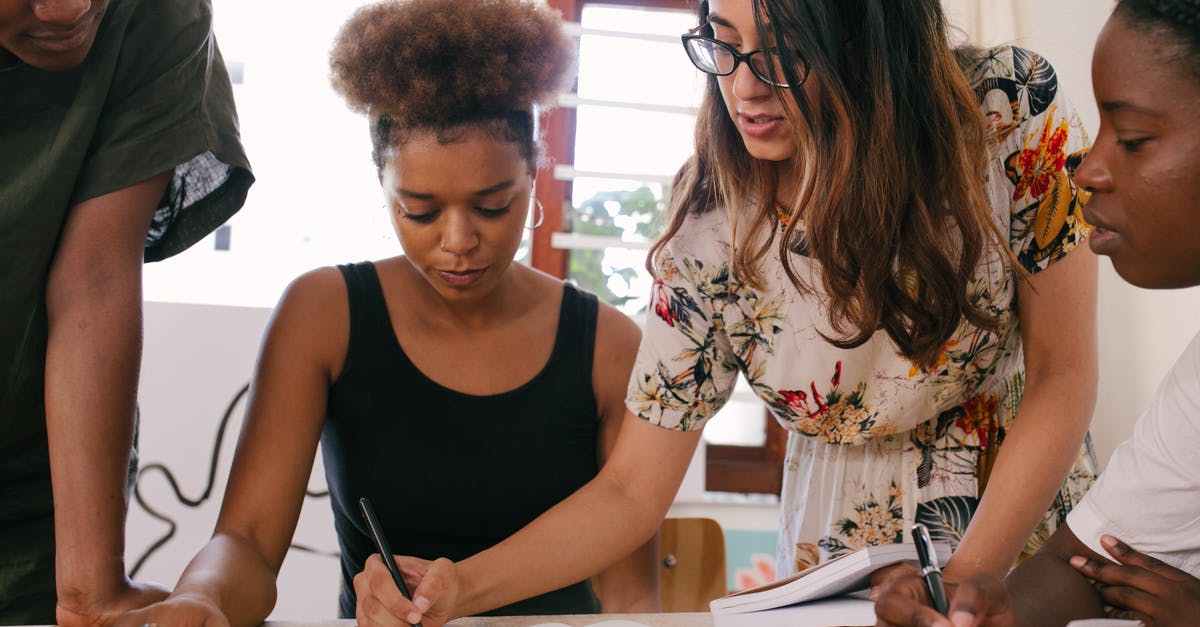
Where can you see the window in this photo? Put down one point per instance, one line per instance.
(616, 143)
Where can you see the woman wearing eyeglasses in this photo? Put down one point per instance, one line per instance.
(882, 235)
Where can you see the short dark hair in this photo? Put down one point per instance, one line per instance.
(1179, 19)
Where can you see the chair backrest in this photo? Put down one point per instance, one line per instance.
(692, 557)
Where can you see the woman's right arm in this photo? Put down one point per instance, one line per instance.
(602, 522)
(232, 579)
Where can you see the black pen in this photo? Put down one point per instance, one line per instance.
(929, 568)
(385, 550)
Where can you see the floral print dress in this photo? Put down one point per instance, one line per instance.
(875, 443)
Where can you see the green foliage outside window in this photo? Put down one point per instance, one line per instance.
(630, 215)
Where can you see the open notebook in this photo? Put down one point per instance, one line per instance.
(846, 574)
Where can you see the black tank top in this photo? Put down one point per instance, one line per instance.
(451, 474)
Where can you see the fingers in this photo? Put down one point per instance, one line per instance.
(132, 619)
(904, 602)
(1119, 575)
(1125, 554)
(977, 599)
(885, 576)
(379, 601)
(176, 613)
(1116, 612)
(1129, 598)
(435, 582)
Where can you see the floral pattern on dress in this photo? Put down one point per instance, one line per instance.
(836, 416)
(878, 519)
(875, 443)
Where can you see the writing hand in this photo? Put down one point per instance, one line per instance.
(980, 601)
(90, 612)
(434, 586)
(1141, 587)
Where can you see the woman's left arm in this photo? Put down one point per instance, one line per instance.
(629, 586)
(1057, 313)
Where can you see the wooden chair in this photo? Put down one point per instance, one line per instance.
(692, 554)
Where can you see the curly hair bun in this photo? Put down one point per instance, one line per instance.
(442, 62)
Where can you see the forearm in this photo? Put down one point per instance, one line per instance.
(1035, 458)
(232, 575)
(631, 586)
(572, 541)
(1047, 591)
(92, 358)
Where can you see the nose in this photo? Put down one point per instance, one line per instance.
(747, 86)
(61, 12)
(460, 235)
(1093, 174)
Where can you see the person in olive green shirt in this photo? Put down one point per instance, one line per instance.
(118, 144)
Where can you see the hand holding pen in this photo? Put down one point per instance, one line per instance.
(907, 595)
(930, 572)
(385, 554)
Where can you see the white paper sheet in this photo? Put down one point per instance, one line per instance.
(835, 611)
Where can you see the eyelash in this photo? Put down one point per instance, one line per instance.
(1132, 145)
(426, 218)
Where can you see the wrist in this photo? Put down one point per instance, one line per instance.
(472, 589)
(83, 584)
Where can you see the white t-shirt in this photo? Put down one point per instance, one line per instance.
(1149, 496)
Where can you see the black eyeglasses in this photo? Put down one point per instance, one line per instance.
(713, 56)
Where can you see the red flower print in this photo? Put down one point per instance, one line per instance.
(1036, 166)
(796, 399)
(837, 373)
(821, 407)
(979, 417)
(662, 304)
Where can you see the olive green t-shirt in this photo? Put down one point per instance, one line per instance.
(152, 96)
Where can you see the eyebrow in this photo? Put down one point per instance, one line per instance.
(1116, 106)
(720, 21)
(483, 192)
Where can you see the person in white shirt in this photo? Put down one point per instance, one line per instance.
(1131, 548)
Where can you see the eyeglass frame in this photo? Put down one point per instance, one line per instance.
(738, 57)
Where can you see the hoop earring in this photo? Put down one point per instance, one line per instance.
(541, 213)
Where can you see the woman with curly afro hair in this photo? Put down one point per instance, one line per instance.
(463, 393)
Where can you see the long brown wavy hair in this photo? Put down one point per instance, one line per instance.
(891, 163)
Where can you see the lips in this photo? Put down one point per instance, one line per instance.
(759, 125)
(63, 40)
(1103, 239)
(461, 278)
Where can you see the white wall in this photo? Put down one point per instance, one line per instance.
(196, 359)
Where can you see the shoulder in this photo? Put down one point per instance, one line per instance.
(1184, 377)
(156, 36)
(1014, 65)
(617, 341)
(314, 312)
(700, 248)
(1011, 82)
(177, 24)
(616, 332)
